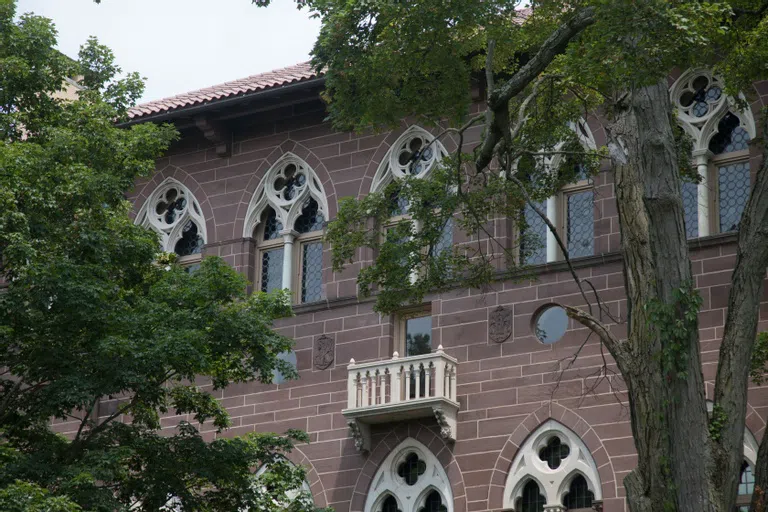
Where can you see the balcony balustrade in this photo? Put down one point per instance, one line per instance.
(402, 389)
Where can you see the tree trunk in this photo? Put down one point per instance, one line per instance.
(664, 378)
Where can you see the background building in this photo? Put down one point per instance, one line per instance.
(473, 401)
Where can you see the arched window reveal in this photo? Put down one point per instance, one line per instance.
(410, 479)
(174, 213)
(552, 469)
(721, 134)
(289, 209)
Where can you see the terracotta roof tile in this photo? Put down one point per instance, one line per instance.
(271, 79)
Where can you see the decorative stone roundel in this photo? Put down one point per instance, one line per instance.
(500, 324)
(410, 479)
(413, 154)
(324, 350)
(175, 214)
(287, 187)
(551, 457)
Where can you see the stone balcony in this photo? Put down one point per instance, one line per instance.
(401, 389)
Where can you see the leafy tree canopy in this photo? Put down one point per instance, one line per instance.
(98, 330)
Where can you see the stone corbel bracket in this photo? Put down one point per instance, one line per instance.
(217, 133)
(361, 433)
(446, 420)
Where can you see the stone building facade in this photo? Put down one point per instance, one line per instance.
(487, 416)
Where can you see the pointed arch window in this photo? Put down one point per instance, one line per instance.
(721, 135)
(413, 155)
(173, 212)
(286, 218)
(410, 470)
(553, 469)
(571, 211)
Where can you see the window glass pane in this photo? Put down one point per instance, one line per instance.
(550, 324)
(433, 503)
(418, 336)
(690, 193)
(389, 505)
(272, 226)
(445, 242)
(531, 500)
(746, 480)
(581, 224)
(733, 183)
(272, 270)
(288, 357)
(191, 242)
(533, 243)
(312, 272)
(579, 495)
(730, 136)
(310, 219)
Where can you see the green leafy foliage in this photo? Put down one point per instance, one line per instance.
(100, 336)
(757, 367)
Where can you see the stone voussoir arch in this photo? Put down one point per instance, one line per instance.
(427, 435)
(287, 147)
(521, 432)
(299, 458)
(177, 173)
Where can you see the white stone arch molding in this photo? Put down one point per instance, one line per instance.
(399, 161)
(293, 494)
(583, 132)
(701, 103)
(553, 483)
(287, 204)
(410, 498)
(167, 211)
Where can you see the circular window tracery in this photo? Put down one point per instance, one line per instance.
(554, 452)
(413, 154)
(699, 96)
(411, 468)
(174, 213)
(550, 324)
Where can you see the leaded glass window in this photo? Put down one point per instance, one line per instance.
(730, 136)
(311, 271)
(733, 192)
(580, 226)
(746, 480)
(389, 505)
(579, 495)
(311, 219)
(272, 226)
(445, 242)
(690, 192)
(191, 242)
(411, 468)
(533, 240)
(434, 503)
(531, 499)
(272, 270)
(554, 452)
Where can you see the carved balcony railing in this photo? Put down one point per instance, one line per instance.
(402, 389)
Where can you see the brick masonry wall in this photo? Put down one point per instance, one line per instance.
(505, 390)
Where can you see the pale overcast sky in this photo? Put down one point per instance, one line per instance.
(182, 45)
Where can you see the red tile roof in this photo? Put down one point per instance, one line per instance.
(261, 82)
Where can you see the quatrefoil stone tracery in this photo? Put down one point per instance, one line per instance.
(411, 468)
(172, 211)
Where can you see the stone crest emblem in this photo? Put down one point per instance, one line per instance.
(324, 352)
(500, 324)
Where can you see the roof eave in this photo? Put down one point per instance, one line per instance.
(223, 103)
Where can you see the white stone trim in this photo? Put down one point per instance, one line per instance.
(287, 210)
(390, 168)
(410, 498)
(553, 483)
(171, 233)
(703, 128)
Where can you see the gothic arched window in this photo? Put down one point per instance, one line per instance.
(286, 218)
(721, 134)
(174, 213)
(552, 468)
(410, 470)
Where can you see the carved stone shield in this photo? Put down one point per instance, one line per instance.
(500, 324)
(324, 352)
